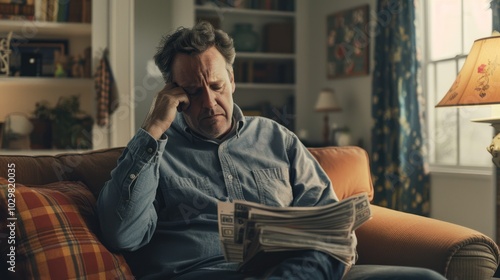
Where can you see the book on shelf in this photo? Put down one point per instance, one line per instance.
(16, 10)
(78, 11)
(276, 5)
(24, 2)
(62, 11)
(258, 71)
(278, 37)
(47, 10)
(258, 236)
(74, 10)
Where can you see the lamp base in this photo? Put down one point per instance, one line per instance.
(494, 147)
(326, 130)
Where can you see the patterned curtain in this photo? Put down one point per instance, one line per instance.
(399, 171)
(495, 9)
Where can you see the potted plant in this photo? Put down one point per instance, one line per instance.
(41, 136)
(71, 128)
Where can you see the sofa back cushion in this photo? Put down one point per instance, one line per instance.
(92, 168)
(347, 167)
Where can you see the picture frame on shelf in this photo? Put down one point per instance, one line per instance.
(348, 41)
(47, 51)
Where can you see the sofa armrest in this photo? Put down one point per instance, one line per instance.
(396, 238)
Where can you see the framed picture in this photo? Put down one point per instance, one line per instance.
(44, 53)
(348, 41)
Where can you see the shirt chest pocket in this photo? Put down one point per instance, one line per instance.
(273, 185)
(187, 197)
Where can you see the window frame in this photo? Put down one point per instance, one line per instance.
(431, 100)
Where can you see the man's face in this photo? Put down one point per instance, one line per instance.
(210, 88)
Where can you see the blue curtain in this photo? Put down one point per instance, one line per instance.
(495, 9)
(398, 162)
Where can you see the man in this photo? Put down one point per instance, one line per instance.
(194, 149)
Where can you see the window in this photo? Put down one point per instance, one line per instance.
(454, 140)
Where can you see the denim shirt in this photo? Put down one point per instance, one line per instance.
(161, 200)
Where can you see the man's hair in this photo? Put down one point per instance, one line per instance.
(193, 42)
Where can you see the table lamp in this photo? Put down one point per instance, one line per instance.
(478, 83)
(327, 102)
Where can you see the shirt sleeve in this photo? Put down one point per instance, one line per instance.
(311, 185)
(125, 206)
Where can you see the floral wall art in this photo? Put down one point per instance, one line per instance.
(348, 43)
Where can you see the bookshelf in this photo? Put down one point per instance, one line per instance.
(69, 26)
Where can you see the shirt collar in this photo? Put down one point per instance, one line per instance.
(239, 119)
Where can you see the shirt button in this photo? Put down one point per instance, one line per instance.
(132, 176)
(230, 177)
(150, 150)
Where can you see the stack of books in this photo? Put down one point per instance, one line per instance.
(78, 11)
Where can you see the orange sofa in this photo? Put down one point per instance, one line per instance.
(65, 187)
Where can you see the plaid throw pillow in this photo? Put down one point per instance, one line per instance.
(53, 234)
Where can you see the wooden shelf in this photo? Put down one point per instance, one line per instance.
(31, 29)
(213, 9)
(263, 86)
(265, 56)
(45, 81)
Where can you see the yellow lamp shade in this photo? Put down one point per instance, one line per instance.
(479, 79)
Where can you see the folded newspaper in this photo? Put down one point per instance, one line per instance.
(257, 235)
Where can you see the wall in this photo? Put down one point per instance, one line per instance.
(464, 199)
(152, 21)
(354, 94)
(121, 52)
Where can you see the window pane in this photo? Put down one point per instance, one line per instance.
(446, 73)
(477, 22)
(444, 31)
(445, 136)
(474, 137)
(431, 102)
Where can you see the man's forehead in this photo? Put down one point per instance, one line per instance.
(211, 56)
(194, 70)
(197, 79)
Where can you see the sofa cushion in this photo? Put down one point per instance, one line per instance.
(93, 168)
(348, 168)
(53, 237)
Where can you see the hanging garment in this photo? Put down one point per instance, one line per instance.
(107, 92)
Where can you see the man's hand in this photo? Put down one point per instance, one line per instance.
(170, 100)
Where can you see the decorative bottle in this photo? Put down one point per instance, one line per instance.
(244, 38)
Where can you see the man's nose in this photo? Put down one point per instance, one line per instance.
(208, 98)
